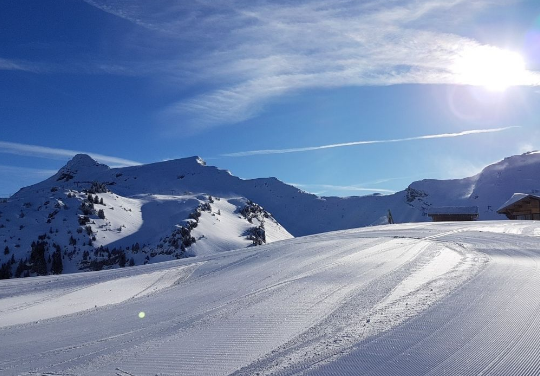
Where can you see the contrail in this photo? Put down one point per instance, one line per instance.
(355, 143)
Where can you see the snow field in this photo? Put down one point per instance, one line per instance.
(488, 326)
(61, 301)
(283, 307)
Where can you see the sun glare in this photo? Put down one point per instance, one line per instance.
(490, 67)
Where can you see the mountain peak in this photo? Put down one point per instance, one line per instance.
(194, 159)
(81, 160)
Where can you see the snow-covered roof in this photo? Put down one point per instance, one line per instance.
(453, 210)
(515, 198)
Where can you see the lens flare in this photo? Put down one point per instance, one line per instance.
(142, 315)
(532, 46)
(490, 67)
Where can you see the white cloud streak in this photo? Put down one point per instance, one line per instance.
(17, 65)
(26, 171)
(370, 142)
(353, 188)
(54, 153)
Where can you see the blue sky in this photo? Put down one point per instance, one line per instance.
(292, 89)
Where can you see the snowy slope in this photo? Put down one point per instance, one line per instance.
(410, 299)
(489, 189)
(93, 226)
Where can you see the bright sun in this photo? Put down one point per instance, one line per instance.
(490, 67)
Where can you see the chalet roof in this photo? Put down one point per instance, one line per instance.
(453, 210)
(515, 198)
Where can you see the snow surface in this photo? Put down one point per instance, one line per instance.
(410, 299)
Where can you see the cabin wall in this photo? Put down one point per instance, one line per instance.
(528, 209)
(453, 217)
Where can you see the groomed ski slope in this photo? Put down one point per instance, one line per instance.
(412, 299)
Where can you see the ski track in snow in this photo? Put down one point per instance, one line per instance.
(412, 299)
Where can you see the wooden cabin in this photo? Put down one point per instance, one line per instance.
(453, 213)
(521, 206)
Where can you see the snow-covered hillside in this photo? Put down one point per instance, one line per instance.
(488, 190)
(409, 299)
(145, 205)
(76, 221)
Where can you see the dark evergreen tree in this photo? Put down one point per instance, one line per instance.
(5, 271)
(101, 214)
(97, 187)
(83, 219)
(21, 267)
(122, 259)
(37, 258)
(6, 250)
(96, 265)
(57, 266)
(87, 208)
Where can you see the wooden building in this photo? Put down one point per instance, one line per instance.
(521, 206)
(453, 213)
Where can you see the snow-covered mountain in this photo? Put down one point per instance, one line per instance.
(172, 209)
(89, 217)
(488, 190)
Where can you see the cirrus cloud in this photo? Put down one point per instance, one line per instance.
(248, 53)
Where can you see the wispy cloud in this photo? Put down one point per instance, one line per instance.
(54, 153)
(350, 188)
(26, 171)
(248, 53)
(387, 180)
(9, 64)
(364, 187)
(357, 143)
